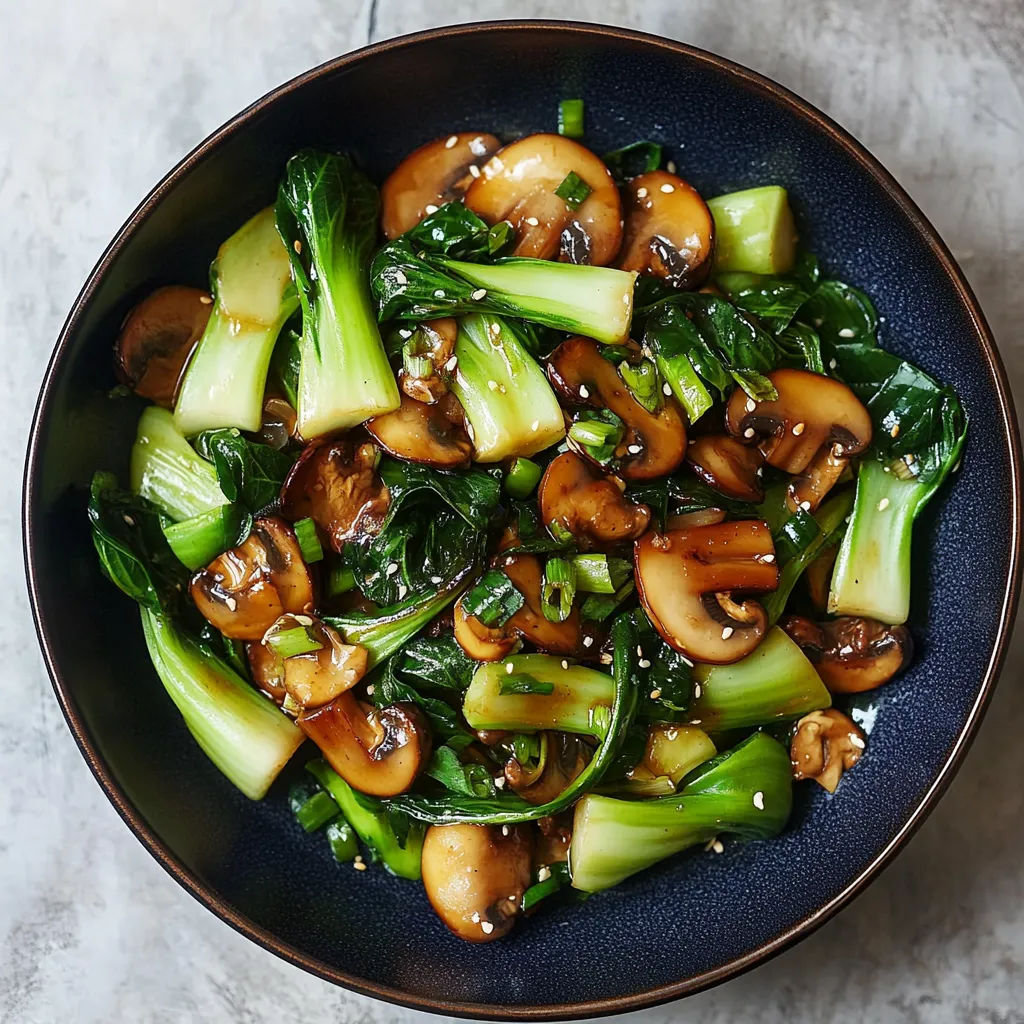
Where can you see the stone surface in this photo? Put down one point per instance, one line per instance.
(98, 100)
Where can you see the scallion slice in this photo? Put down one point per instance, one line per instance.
(574, 190)
(288, 642)
(309, 542)
(522, 477)
(559, 590)
(570, 119)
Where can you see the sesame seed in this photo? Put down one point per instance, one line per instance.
(666, 188)
(400, 278)
(847, 332)
(128, 519)
(543, 874)
(751, 405)
(565, 664)
(759, 800)
(655, 694)
(584, 393)
(644, 663)
(749, 432)
(634, 449)
(370, 689)
(727, 632)
(402, 591)
(452, 363)
(799, 429)
(297, 245)
(883, 504)
(439, 294)
(768, 558)
(474, 170)
(805, 506)
(639, 651)
(588, 641)
(499, 782)
(694, 721)
(641, 193)
(837, 451)
(478, 148)
(391, 569)
(451, 141)
(404, 332)
(535, 425)
(832, 364)
(470, 432)
(495, 328)
(476, 917)
(857, 741)
(231, 603)
(908, 459)
(666, 388)
(696, 691)
(486, 927)
(532, 221)
(504, 830)
(430, 208)
(895, 432)
(206, 299)
(848, 649)
(717, 846)
(509, 667)
(493, 385)
(435, 579)
(606, 659)
(479, 294)
(957, 466)
(359, 865)
(686, 661)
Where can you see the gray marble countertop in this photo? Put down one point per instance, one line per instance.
(98, 99)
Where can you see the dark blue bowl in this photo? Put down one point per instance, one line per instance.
(687, 923)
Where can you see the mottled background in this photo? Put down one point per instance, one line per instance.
(98, 98)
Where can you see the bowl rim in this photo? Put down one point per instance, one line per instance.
(203, 892)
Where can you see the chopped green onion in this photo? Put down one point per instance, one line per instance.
(556, 876)
(341, 581)
(289, 642)
(598, 607)
(498, 237)
(636, 158)
(599, 574)
(494, 600)
(559, 590)
(570, 119)
(341, 838)
(309, 542)
(642, 381)
(315, 812)
(574, 190)
(595, 433)
(796, 534)
(521, 682)
(560, 533)
(523, 476)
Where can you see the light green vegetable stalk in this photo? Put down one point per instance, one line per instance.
(754, 231)
(253, 297)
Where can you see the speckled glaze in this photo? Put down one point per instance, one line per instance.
(687, 923)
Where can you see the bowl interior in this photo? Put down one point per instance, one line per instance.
(690, 920)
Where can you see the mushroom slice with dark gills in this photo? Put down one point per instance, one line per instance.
(157, 338)
(434, 435)
(654, 443)
(431, 176)
(588, 504)
(518, 184)
(562, 758)
(243, 591)
(434, 340)
(669, 231)
(379, 751)
(480, 642)
(475, 877)
(852, 654)
(688, 581)
(731, 468)
(810, 430)
(337, 485)
(825, 745)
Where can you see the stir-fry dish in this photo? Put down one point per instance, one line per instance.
(551, 512)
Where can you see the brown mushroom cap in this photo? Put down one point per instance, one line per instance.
(436, 339)
(267, 670)
(377, 751)
(527, 574)
(731, 468)
(588, 504)
(700, 517)
(279, 419)
(669, 230)
(564, 756)
(685, 578)
(654, 443)
(852, 654)
(246, 589)
(810, 430)
(336, 484)
(157, 338)
(480, 642)
(430, 434)
(475, 877)
(826, 744)
(315, 678)
(432, 175)
(818, 577)
(518, 185)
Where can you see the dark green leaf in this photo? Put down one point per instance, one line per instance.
(773, 300)
(840, 314)
(468, 779)
(796, 534)
(557, 877)
(636, 158)
(494, 599)
(435, 662)
(643, 383)
(249, 473)
(454, 230)
(284, 364)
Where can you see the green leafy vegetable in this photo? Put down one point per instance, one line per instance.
(467, 779)
(632, 160)
(643, 383)
(522, 683)
(199, 540)
(494, 599)
(249, 473)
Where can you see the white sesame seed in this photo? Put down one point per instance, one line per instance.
(565, 664)
(639, 651)
(634, 449)
(452, 363)
(452, 140)
(359, 865)
(895, 432)
(128, 519)
(400, 278)
(476, 917)
(727, 632)
(297, 246)
(532, 221)
(479, 294)
(404, 332)
(391, 569)
(504, 830)
(644, 663)
(666, 188)
(768, 558)
(799, 428)
(231, 603)
(402, 591)
(686, 661)
(470, 432)
(908, 459)
(857, 741)
(717, 846)
(694, 721)
(749, 432)
(759, 800)
(847, 332)
(883, 504)
(435, 579)
(666, 388)
(805, 506)
(486, 927)
(584, 393)
(641, 193)
(430, 208)
(474, 170)
(606, 659)
(535, 426)
(655, 694)
(495, 328)
(588, 641)
(832, 364)
(848, 649)
(543, 874)
(206, 299)
(751, 405)
(696, 692)
(477, 147)
(493, 385)
(370, 689)
(439, 294)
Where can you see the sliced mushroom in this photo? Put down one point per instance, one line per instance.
(279, 419)
(379, 751)
(731, 468)
(518, 185)
(475, 877)
(818, 577)
(654, 443)
(336, 483)
(157, 338)
(551, 845)
(810, 430)
(246, 589)
(428, 434)
(267, 670)
(563, 757)
(480, 642)
(852, 654)
(431, 176)
(527, 573)
(588, 504)
(686, 579)
(826, 744)
(669, 230)
(702, 517)
(315, 678)
(435, 339)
